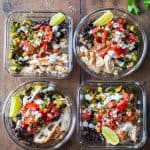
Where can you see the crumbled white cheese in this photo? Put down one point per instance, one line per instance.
(25, 100)
(88, 97)
(99, 34)
(63, 44)
(55, 28)
(115, 25)
(37, 42)
(34, 94)
(38, 101)
(99, 61)
(131, 46)
(18, 123)
(55, 46)
(123, 45)
(52, 58)
(40, 33)
(85, 123)
(23, 29)
(129, 56)
(34, 61)
(127, 126)
(83, 49)
(91, 125)
(24, 58)
(99, 105)
(112, 54)
(58, 34)
(50, 88)
(115, 97)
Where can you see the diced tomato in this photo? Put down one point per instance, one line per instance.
(47, 29)
(99, 127)
(48, 33)
(44, 46)
(132, 117)
(48, 36)
(126, 96)
(120, 29)
(121, 21)
(49, 116)
(98, 117)
(28, 120)
(97, 29)
(100, 46)
(36, 27)
(110, 24)
(42, 27)
(126, 51)
(123, 104)
(41, 54)
(45, 110)
(86, 115)
(110, 114)
(111, 104)
(32, 106)
(118, 50)
(101, 53)
(55, 50)
(132, 38)
(35, 36)
(112, 125)
(50, 106)
(98, 39)
(25, 45)
(104, 37)
(129, 113)
(55, 109)
(37, 96)
(30, 130)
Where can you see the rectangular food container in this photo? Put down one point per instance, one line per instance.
(141, 106)
(36, 16)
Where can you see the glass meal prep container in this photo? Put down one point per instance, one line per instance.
(38, 44)
(109, 43)
(39, 115)
(112, 115)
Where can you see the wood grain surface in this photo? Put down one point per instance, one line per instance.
(76, 9)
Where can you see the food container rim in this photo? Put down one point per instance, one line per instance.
(141, 29)
(72, 106)
(144, 112)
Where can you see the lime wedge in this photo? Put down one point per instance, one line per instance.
(38, 87)
(110, 135)
(104, 19)
(57, 19)
(15, 106)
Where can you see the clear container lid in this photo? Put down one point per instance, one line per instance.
(141, 106)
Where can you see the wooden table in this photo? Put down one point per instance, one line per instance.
(76, 9)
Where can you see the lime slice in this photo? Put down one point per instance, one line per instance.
(15, 106)
(38, 87)
(104, 19)
(57, 19)
(110, 135)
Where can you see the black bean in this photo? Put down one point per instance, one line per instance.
(19, 116)
(13, 124)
